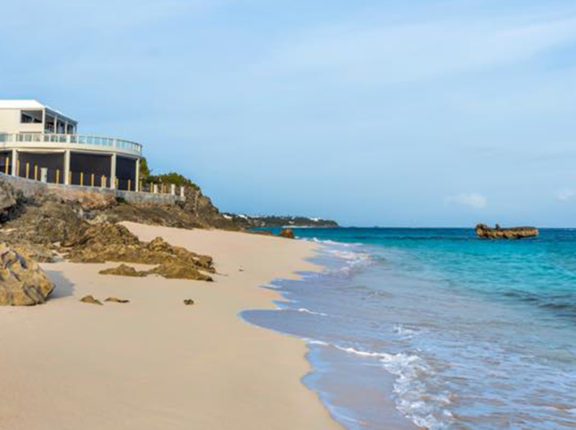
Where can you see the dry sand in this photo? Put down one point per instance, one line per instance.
(154, 363)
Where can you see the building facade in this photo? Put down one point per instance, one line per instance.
(37, 142)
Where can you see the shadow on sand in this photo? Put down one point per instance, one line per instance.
(64, 288)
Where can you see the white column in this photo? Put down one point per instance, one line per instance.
(137, 176)
(113, 171)
(173, 189)
(14, 160)
(67, 167)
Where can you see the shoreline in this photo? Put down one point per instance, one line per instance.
(155, 363)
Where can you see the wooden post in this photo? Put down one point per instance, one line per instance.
(117, 182)
(69, 178)
(35, 172)
(92, 179)
(81, 179)
(129, 183)
(7, 166)
(140, 188)
(57, 176)
(102, 181)
(18, 168)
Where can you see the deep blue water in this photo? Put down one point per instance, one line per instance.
(435, 328)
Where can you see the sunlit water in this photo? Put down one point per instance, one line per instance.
(435, 328)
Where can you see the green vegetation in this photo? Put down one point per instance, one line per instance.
(165, 178)
(144, 169)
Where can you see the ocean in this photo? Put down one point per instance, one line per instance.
(436, 329)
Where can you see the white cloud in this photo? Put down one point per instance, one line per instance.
(472, 200)
(565, 195)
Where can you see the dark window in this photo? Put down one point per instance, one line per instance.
(31, 117)
(50, 126)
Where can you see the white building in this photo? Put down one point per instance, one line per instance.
(38, 142)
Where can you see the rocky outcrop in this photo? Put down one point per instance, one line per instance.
(288, 233)
(85, 199)
(485, 232)
(180, 269)
(123, 270)
(113, 242)
(7, 197)
(197, 211)
(22, 281)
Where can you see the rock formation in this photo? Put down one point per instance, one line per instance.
(22, 281)
(91, 300)
(7, 198)
(287, 233)
(117, 300)
(113, 242)
(485, 232)
(124, 270)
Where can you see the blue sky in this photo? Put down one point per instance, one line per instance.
(415, 113)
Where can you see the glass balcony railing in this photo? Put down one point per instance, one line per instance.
(76, 139)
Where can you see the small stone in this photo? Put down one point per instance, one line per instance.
(188, 302)
(117, 300)
(91, 300)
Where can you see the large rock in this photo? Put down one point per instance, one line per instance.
(287, 233)
(124, 270)
(178, 269)
(7, 197)
(22, 281)
(113, 242)
(485, 232)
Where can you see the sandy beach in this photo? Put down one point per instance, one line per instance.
(154, 363)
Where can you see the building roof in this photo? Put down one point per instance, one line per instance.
(21, 104)
(29, 104)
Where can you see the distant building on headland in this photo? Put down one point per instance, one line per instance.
(38, 142)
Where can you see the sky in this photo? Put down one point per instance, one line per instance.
(370, 112)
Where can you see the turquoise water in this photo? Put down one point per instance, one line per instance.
(437, 329)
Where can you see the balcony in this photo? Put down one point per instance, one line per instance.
(70, 141)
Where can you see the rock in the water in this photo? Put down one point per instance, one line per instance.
(288, 233)
(485, 232)
(188, 302)
(123, 270)
(116, 300)
(22, 281)
(91, 300)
